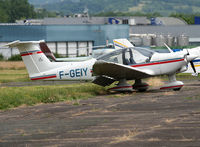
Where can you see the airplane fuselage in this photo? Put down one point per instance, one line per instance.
(163, 63)
(160, 64)
(70, 71)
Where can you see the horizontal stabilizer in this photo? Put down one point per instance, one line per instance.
(18, 42)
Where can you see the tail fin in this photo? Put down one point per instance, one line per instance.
(35, 60)
(45, 49)
(122, 43)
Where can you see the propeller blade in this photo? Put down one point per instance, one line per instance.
(192, 64)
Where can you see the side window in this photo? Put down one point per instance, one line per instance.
(111, 57)
(127, 57)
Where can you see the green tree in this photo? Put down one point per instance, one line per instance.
(189, 18)
(41, 13)
(3, 14)
(19, 9)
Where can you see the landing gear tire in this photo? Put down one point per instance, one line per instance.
(140, 86)
(173, 84)
(177, 89)
(142, 90)
(122, 86)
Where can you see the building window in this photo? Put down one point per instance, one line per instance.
(125, 21)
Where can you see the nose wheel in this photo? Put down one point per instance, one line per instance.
(173, 84)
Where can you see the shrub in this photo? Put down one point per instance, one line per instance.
(57, 55)
(15, 58)
(1, 57)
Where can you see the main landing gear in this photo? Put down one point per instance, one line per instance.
(140, 86)
(123, 86)
(173, 84)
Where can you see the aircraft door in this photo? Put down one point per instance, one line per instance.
(155, 67)
(127, 57)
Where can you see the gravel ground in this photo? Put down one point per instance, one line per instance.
(151, 119)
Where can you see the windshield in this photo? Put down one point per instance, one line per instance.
(128, 56)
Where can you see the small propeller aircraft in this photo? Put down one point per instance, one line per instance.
(127, 63)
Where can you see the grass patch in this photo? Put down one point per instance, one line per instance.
(186, 76)
(13, 71)
(11, 97)
(9, 75)
(179, 76)
(12, 65)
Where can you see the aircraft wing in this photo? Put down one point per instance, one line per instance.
(118, 71)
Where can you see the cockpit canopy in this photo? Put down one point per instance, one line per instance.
(127, 56)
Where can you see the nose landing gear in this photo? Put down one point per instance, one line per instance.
(173, 84)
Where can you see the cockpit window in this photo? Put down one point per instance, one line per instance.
(128, 56)
(111, 57)
(145, 51)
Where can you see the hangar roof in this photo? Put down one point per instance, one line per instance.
(74, 20)
(193, 31)
(170, 21)
(140, 20)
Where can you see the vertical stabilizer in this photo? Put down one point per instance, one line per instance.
(122, 43)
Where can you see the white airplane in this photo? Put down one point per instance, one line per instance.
(95, 53)
(120, 65)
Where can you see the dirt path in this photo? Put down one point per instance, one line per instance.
(155, 118)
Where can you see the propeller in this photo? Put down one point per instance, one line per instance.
(195, 72)
(189, 59)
